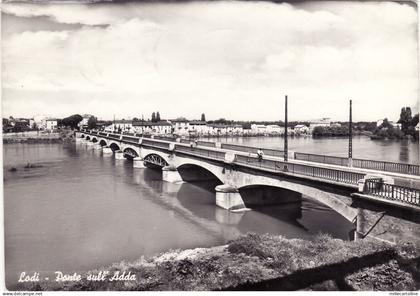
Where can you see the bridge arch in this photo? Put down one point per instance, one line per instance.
(144, 152)
(156, 160)
(114, 146)
(130, 153)
(94, 139)
(103, 143)
(82, 136)
(88, 138)
(257, 194)
(329, 199)
(191, 172)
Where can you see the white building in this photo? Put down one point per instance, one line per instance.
(324, 122)
(274, 129)
(120, 125)
(258, 128)
(181, 126)
(198, 127)
(301, 129)
(225, 129)
(154, 128)
(51, 124)
(40, 121)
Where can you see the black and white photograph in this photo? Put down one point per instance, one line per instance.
(210, 145)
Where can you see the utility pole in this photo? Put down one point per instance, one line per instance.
(350, 136)
(286, 158)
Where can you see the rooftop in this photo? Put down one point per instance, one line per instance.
(151, 123)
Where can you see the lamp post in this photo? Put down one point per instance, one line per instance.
(286, 152)
(350, 136)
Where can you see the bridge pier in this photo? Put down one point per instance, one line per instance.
(96, 146)
(89, 143)
(229, 198)
(171, 174)
(119, 155)
(138, 163)
(106, 150)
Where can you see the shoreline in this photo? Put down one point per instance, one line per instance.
(38, 138)
(263, 262)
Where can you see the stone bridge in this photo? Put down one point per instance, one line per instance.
(270, 179)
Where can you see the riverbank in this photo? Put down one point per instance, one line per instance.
(37, 137)
(265, 262)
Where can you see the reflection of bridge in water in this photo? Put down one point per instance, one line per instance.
(358, 193)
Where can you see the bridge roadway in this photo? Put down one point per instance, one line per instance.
(237, 167)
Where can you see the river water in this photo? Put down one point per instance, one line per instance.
(80, 210)
(404, 151)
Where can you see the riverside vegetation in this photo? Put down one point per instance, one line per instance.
(266, 262)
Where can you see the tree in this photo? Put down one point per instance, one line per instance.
(415, 120)
(92, 122)
(71, 121)
(385, 124)
(135, 119)
(34, 126)
(405, 119)
(153, 117)
(157, 116)
(203, 117)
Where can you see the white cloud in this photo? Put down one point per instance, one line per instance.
(220, 58)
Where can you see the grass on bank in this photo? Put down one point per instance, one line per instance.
(268, 262)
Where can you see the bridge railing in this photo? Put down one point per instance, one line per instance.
(157, 144)
(219, 155)
(130, 139)
(301, 169)
(392, 192)
(403, 168)
(206, 144)
(114, 136)
(102, 134)
(249, 149)
(163, 138)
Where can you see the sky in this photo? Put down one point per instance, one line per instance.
(227, 59)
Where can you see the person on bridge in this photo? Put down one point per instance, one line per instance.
(260, 154)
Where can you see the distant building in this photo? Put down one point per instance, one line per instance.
(225, 129)
(40, 121)
(324, 122)
(120, 125)
(198, 127)
(274, 129)
(154, 128)
(301, 129)
(180, 126)
(258, 128)
(51, 124)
